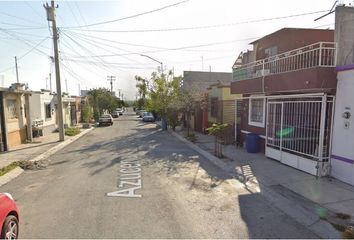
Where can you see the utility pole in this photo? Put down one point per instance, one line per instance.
(50, 82)
(51, 18)
(79, 90)
(18, 81)
(66, 86)
(111, 79)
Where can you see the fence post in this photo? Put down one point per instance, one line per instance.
(322, 132)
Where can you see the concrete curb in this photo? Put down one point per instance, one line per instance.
(60, 146)
(10, 175)
(301, 215)
(17, 171)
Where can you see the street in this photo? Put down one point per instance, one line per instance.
(131, 180)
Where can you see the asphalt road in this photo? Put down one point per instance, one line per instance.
(158, 187)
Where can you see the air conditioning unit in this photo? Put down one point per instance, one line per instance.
(262, 72)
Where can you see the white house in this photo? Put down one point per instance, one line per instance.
(43, 110)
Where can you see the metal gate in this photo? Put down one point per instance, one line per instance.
(299, 131)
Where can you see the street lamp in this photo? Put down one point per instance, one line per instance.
(143, 55)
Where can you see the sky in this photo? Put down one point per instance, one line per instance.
(98, 39)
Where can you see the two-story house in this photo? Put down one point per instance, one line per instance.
(287, 84)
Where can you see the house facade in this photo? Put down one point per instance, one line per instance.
(197, 82)
(43, 111)
(14, 116)
(288, 83)
(342, 154)
(222, 108)
(67, 103)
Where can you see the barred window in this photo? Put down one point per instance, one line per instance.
(257, 112)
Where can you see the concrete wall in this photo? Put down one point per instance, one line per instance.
(344, 35)
(16, 126)
(342, 158)
(38, 100)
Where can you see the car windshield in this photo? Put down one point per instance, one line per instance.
(106, 116)
(147, 114)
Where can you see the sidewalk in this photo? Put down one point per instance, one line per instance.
(297, 193)
(40, 148)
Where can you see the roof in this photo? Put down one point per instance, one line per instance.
(291, 29)
(198, 82)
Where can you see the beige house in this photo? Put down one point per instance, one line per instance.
(68, 102)
(222, 107)
(14, 116)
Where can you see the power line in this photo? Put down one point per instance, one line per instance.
(34, 48)
(17, 17)
(171, 49)
(91, 39)
(204, 27)
(24, 41)
(87, 50)
(132, 16)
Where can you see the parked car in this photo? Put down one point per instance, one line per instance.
(115, 114)
(9, 217)
(120, 111)
(148, 117)
(141, 113)
(105, 119)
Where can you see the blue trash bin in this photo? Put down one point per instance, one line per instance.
(252, 143)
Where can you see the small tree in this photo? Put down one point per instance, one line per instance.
(87, 113)
(216, 130)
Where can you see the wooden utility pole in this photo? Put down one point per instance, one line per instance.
(51, 18)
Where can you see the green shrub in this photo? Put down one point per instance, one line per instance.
(8, 168)
(72, 131)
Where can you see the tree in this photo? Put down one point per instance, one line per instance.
(101, 100)
(216, 130)
(87, 113)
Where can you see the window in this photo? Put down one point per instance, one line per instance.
(256, 112)
(214, 107)
(11, 109)
(48, 113)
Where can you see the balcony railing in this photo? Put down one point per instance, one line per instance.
(321, 54)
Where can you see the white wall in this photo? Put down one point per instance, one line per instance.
(37, 104)
(343, 129)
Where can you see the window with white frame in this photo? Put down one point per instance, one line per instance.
(256, 112)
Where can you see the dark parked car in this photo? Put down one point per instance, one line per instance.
(105, 119)
(148, 117)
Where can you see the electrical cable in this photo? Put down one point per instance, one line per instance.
(204, 27)
(132, 16)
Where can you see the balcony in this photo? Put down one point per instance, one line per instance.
(321, 54)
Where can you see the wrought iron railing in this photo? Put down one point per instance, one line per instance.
(321, 54)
